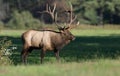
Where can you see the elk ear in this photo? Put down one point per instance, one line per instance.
(60, 29)
(67, 28)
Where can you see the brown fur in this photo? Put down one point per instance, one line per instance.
(45, 40)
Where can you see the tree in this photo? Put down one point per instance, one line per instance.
(98, 11)
(88, 11)
(4, 10)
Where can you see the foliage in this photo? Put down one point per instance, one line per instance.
(1, 25)
(104, 11)
(23, 20)
(5, 52)
(87, 11)
(3, 10)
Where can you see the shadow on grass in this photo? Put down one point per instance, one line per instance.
(82, 48)
(94, 47)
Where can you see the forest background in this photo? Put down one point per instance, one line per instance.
(22, 14)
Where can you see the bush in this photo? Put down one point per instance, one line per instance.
(23, 20)
(5, 52)
(91, 16)
(1, 25)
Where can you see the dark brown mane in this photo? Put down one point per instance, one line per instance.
(48, 30)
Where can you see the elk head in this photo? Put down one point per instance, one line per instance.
(65, 30)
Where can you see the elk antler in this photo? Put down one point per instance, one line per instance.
(52, 13)
(59, 27)
(72, 19)
(71, 16)
(49, 10)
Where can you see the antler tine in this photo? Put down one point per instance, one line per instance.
(71, 14)
(54, 8)
(49, 10)
(46, 7)
(55, 19)
(72, 21)
(46, 11)
(56, 22)
(52, 13)
(71, 10)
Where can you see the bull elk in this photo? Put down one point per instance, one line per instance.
(47, 39)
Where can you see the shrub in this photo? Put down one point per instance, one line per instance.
(1, 25)
(23, 20)
(5, 52)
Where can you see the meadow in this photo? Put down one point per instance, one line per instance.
(95, 51)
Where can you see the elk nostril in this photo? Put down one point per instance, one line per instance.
(73, 38)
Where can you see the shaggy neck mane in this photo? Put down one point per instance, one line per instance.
(50, 31)
(59, 41)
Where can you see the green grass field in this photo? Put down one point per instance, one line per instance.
(94, 52)
(97, 68)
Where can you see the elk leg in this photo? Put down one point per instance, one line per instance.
(24, 56)
(42, 55)
(57, 55)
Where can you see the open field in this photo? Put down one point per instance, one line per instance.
(94, 52)
(97, 68)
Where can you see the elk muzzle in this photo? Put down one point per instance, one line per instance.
(73, 38)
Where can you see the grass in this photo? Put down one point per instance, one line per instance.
(94, 52)
(98, 68)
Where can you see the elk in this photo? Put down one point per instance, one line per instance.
(47, 40)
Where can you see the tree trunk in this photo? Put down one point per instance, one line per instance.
(101, 17)
(19, 4)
